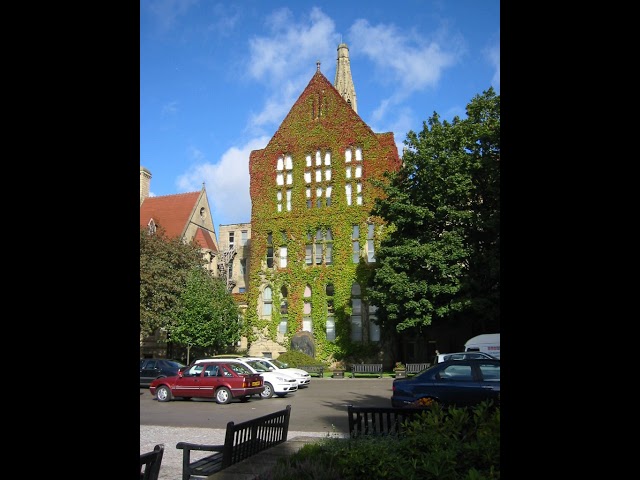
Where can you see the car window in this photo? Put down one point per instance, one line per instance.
(211, 371)
(151, 364)
(490, 372)
(239, 368)
(457, 372)
(258, 366)
(194, 371)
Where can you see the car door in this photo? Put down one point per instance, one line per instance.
(490, 373)
(459, 384)
(188, 384)
(148, 371)
(209, 381)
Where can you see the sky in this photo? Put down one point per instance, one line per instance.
(217, 78)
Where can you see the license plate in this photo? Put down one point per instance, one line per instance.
(255, 384)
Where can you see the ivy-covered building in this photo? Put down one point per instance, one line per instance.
(313, 240)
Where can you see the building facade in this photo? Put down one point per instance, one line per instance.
(313, 239)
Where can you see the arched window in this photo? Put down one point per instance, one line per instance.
(306, 312)
(284, 310)
(267, 302)
(331, 323)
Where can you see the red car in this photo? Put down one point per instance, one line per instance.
(221, 381)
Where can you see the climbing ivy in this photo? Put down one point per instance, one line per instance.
(319, 120)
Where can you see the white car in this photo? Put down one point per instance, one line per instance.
(279, 384)
(302, 376)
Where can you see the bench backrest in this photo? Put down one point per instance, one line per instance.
(377, 420)
(366, 367)
(416, 367)
(245, 439)
(150, 463)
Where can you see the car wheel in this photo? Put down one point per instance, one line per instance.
(163, 393)
(268, 390)
(223, 395)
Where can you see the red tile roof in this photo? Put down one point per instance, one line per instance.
(171, 212)
(204, 239)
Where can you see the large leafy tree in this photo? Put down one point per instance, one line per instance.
(165, 264)
(206, 315)
(441, 259)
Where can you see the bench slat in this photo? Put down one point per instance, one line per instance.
(242, 440)
(366, 368)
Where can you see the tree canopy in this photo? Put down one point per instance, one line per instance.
(441, 257)
(165, 264)
(206, 314)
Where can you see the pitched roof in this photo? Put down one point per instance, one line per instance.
(204, 240)
(171, 212)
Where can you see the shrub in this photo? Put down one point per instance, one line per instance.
(296, 358)
(442, 444)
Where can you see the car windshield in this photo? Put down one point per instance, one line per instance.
(279, 364)
(259, 366)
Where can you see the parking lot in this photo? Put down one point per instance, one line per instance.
(321, 407)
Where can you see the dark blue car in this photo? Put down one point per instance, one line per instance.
(461, 383)
(152, 368)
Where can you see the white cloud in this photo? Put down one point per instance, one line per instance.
(407, 60)
(285, 61)
(493, 55)
(227, 182)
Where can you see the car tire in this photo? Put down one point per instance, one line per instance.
(223, 395)
(163, 393)
(268, 391)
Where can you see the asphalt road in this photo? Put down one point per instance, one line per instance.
(321, 407)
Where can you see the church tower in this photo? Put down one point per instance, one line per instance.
(344, 82)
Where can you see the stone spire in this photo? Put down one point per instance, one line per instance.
(344, 82)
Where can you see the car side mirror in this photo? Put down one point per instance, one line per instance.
(180, 374)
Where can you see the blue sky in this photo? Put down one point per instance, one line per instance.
(218, 78)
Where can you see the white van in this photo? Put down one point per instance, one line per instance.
(488, 343)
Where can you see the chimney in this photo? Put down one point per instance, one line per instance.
(145, 180)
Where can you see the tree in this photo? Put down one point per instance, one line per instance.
(164, 266)
(206, 315)
(441, 258)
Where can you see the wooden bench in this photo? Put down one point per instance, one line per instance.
(242, 440)
(379, 421)
(313, 369)
(416, 367)
(366, 368)
(150, 463)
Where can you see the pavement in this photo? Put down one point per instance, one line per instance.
(171, 467)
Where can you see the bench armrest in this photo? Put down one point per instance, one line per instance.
(197, 446)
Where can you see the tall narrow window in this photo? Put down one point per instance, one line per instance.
(328, 195)
(284, 311)
(231, 239)
(308, 195)
(328, 247)
(371, 257)
(359, 193)
(243, 238)
(267, 302)
(318, 247)
(243, 266)
(279, 200)
(269, 250)
(355, 240)
(283, 257)
(356, 313)
(306, 310)
(374, 328)
(288, 199)
(331, 323)
(308, 250)
(347, 189)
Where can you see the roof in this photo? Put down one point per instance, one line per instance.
(173, 213)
